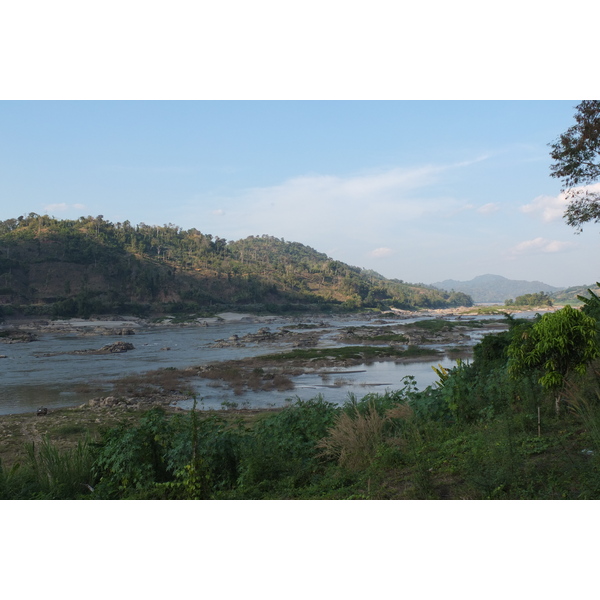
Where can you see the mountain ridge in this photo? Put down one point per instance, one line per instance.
(495, 288)
(92, 266)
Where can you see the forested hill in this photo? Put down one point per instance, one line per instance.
(90, 265)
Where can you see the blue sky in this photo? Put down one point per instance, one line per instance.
(417, 190)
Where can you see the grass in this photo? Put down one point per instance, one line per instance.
(161, 381)
(350, 353)
(437, 325)
(390, 337)
(61, 474)
(241, 377)
(62, 427)
(368, 334)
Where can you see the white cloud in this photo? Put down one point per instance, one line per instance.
(539, 245)
(380, 252)
(489, 208)
(218, 212)
(547, 208)
(552, 208)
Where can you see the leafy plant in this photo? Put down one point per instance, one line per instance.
(559, 344)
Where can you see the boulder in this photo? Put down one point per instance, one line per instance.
(116, 348)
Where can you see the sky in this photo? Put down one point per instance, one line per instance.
(417, 190)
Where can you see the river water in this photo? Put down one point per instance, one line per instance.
(29, 380)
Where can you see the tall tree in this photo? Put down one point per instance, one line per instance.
(577, 163)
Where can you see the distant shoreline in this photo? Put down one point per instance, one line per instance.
(49, 324)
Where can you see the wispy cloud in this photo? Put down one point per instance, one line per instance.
(311, 207)
(488, 209)
(62, 207)
(539, 245)
(380, 252)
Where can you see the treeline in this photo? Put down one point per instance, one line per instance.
(538, 299)
(90, 265)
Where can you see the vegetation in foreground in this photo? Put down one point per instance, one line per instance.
(521, 421)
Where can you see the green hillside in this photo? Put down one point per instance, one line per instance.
(570, 295)
(92, 266)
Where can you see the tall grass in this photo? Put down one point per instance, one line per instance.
(61, 474)
(357, 435)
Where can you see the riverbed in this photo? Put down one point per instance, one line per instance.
(44, 372)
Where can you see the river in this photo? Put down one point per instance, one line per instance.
(28, 379)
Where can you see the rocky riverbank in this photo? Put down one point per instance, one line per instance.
(22, 327)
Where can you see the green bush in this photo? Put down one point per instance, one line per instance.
(283, 446)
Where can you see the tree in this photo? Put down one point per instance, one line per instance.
(559, 344)
(591, 304)
(577, 164)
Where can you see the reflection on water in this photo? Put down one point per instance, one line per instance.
(335, 386)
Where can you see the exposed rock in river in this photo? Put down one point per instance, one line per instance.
(116, 348)
(13, 336)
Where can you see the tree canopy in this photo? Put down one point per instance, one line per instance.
(577, 163)
(90, 265)
(558, 344)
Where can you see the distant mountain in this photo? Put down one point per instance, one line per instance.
(495, 288)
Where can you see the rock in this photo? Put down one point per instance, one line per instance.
(42, 411)
(117, 347)
(16, 337)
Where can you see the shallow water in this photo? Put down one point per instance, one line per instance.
(335, 387)
(29, 380)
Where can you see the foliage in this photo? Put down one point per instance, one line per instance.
(539, 299)
(283, 446)
(559, 343)
(181, 457)
(92, 266)
(134, 458)
(577, 163)
(385, 402)
(591, 304)
(355, 439)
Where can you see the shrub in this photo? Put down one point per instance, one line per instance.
(355, 439)
(283, 446)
